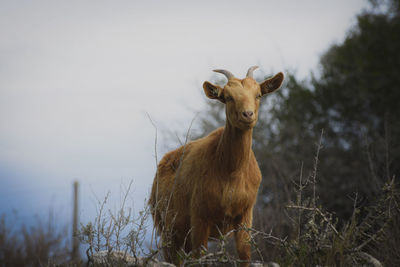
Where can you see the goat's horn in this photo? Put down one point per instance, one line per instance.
(228, 74)
(250, 71)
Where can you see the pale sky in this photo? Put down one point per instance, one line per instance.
(78, 77)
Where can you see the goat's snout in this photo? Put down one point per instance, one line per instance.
(248, 115)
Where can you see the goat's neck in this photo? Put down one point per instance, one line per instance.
(234, 149)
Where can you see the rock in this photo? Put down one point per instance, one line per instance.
(368, 260)
(269, 264)
(122, 259)
(119, 258)
(112, 258)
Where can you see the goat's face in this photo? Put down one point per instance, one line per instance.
(242, 97)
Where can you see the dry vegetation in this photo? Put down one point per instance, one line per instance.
(315, 237)
(43, 243)
(307, 235)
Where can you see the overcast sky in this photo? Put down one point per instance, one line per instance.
(78, 77)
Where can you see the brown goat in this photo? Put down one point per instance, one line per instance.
(209, 186)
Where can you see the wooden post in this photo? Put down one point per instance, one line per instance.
(75, 239)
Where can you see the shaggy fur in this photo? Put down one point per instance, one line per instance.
(209, 186)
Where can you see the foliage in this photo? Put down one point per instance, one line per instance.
(319, 240)
(354, 99)
(42, 244)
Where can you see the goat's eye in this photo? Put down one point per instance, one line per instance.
(228, 98)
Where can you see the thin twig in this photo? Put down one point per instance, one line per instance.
(314, 175)
(156, 178)
(317, 210)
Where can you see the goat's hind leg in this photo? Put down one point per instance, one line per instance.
(200, 234)
(171, 249)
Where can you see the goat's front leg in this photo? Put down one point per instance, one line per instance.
(242, 239)
(200, 234)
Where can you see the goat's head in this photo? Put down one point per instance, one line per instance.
(242, 97)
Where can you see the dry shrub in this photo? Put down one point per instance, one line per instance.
(43, 243)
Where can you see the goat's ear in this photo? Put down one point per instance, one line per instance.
(213, 91)
(272, 84)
